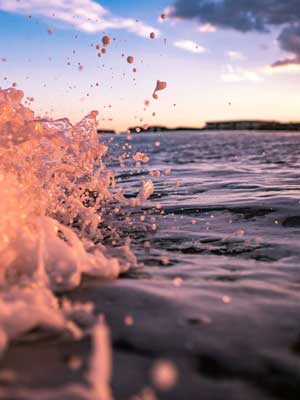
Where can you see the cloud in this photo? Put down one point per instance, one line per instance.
(286, 61)
(235, 55)
(289, 65)
(84, 15)
(191, 46)
(242, 15)
(233, 74)
(248, 16)
(289, 40)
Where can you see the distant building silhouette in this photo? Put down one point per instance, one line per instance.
(235, 125)
(108, 131)
(249, 125)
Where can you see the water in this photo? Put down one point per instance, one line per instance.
(230, 230)
(218, 295)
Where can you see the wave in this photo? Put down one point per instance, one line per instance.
(53, 187)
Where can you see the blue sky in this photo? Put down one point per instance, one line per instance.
(215, 73)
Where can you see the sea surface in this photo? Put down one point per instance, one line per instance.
(219, 292)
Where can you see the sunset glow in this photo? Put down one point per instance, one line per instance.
(221, 66)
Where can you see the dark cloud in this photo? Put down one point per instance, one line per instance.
(286, 61)
(289, 39)
(249, 16)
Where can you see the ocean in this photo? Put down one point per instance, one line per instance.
(230, 232)
(218, 291)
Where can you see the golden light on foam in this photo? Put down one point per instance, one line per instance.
(39, 160)
(38, 128)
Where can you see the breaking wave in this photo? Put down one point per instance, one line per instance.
(53, 186)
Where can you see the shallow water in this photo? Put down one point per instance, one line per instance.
(231, 232)
(219, 291)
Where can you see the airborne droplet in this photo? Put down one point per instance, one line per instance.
(106, 40)
(130, 60)
(160, 85)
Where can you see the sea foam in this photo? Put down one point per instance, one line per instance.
(53, 185)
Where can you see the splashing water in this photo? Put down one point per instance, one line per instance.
(160, 85)
(106, 40)
(53, 185)
(130, 59)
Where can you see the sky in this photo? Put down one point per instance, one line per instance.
(221, 59)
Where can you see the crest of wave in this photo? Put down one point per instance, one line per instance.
(53, 183)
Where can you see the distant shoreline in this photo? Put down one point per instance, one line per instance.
(239, 125)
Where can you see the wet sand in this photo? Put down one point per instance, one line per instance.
(220, 353)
